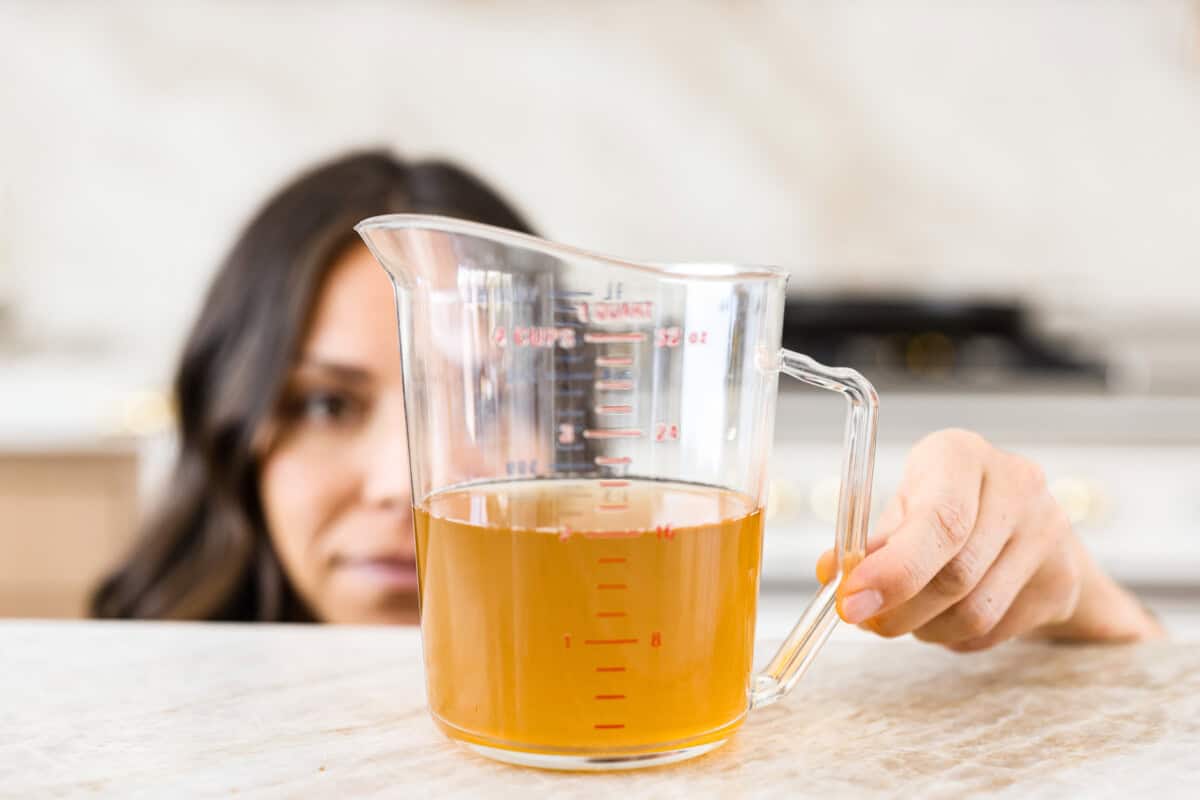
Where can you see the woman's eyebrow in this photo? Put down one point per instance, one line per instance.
(348, 372)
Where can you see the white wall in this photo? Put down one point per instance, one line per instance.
(1043, 149)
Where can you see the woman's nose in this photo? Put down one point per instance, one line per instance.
(386, 478)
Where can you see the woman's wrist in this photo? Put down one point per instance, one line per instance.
(1104, 612)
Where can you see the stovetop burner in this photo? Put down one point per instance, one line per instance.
(921, 343)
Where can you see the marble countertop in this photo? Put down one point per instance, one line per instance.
(167, 710)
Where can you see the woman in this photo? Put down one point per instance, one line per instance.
(290, 500)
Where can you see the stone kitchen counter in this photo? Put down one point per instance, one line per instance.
(172, 710)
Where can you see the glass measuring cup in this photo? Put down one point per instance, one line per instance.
(588, 443)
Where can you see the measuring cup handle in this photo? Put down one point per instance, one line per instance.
(854, 503)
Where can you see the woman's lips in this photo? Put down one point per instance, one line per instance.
(393, 572)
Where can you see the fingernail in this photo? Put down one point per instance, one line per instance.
(861, 606)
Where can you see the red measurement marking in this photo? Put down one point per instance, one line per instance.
(666, 337)
(610, 697)
(610, 641)
(614, 409)
(600, 727)
(566, 534)
(612, 433)
(698, 337)
(614, 484)
(614, 386)
(608, 461)
(612, 506)
(523, 336)
(611, 361)
(610, 669)
(609, 338)
(612, 561)
(610, 586)
(664, 532)
(664, 432)
(610, 613)
(567, 640)
(656, 639)
(624, 310)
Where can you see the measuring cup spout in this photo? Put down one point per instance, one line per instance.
(390, 250)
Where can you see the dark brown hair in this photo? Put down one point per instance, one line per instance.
(205, 553)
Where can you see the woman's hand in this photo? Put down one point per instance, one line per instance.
(974, 550)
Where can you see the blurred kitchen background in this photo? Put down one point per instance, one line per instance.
(991, 209)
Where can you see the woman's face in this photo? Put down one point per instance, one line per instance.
(335, 481)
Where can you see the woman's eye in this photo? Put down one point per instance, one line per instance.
(327, 407)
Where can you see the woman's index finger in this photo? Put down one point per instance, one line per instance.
(941, 488)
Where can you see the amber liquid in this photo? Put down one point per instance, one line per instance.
(580, 616)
